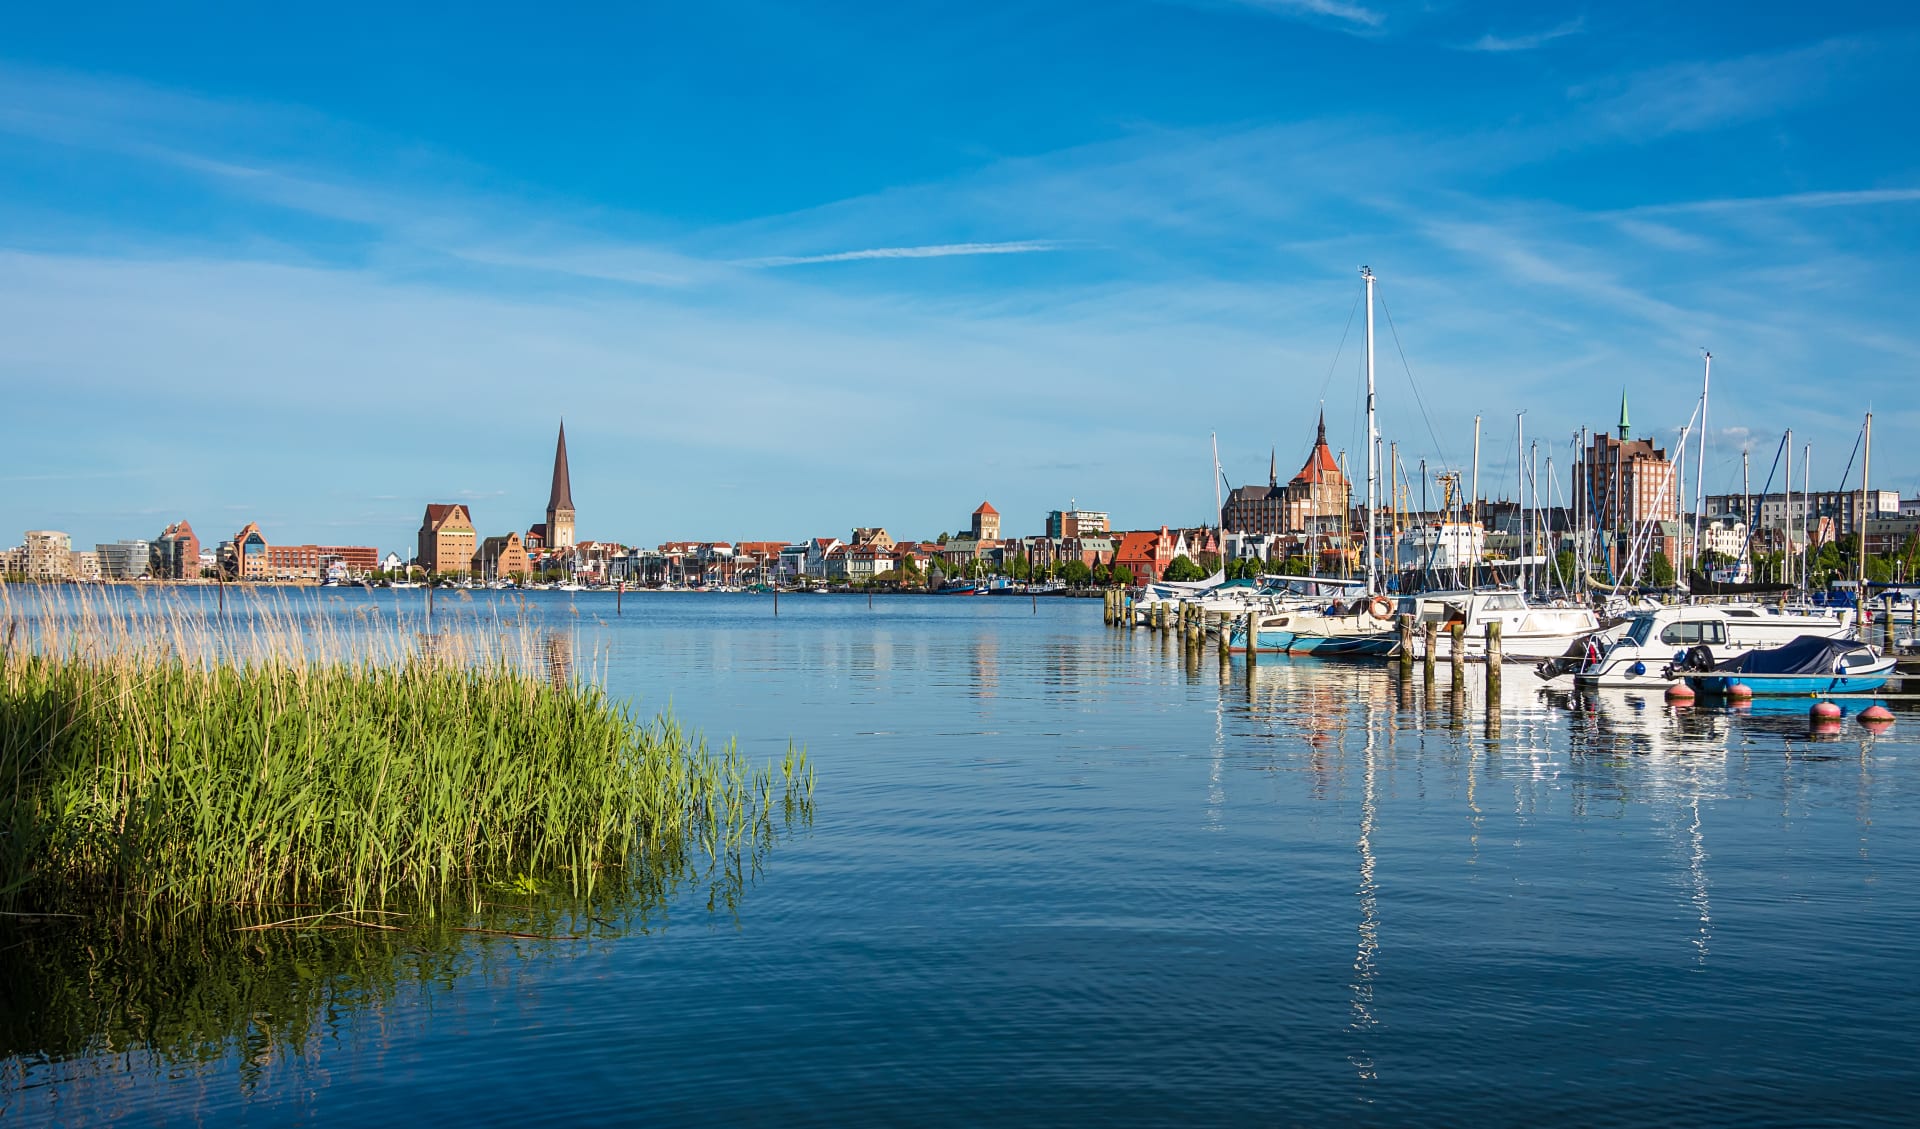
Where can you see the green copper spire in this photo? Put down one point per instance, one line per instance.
(1625, 427)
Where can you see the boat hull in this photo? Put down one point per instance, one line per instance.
(1790, 685)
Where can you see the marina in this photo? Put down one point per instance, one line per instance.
(1061, 872)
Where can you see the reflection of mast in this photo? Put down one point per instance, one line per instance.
(1697, 871)
(1369, 944)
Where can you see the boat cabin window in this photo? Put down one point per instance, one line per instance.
(1505, 602)
(1857, 659)
(1641, 631)
(1687, 633)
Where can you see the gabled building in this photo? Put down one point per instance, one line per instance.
(176, 555)
(872, 535)
(1319, 493)
(1147, 553)
(504, 558)
(245, 557)
(986, 523)
(447, 539)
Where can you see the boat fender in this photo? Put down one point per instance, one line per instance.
(1637, 669)
(1380, 608)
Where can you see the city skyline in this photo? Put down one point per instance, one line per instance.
(249, 262)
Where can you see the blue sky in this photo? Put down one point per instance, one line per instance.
(786, 268)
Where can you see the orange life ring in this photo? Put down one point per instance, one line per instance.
(1379, 607)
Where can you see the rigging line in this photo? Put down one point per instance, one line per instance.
(1417, 398)
(1335, 364)
(1848, 473)
(1746, 547)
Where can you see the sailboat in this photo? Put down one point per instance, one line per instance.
(1364, 627)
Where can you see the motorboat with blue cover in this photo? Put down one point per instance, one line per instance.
(1810, 664)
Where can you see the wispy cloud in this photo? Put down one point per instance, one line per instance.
(1341, 10)
(1687, 97)
(1856, 198)
(1501, 43)
(932, 251)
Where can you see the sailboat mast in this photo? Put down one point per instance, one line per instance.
(1219, 510)
(1473, 508)
(1520, 489)
(1367, 274)
(1860, 539)
(1700, 468)
(1786, 513)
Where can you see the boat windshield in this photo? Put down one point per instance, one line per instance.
(1641, 631)
(1505, 602)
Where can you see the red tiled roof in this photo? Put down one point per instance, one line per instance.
(987, 508)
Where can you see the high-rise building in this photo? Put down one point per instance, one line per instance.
(176, 555)
(447, 539)
(1624, 482)
(559, 531)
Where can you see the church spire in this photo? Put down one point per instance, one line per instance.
(1321, 439)
(1625, 427)
(560, 501)
(562, 496)
(1273, 467)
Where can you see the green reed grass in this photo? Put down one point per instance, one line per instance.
(155, 753)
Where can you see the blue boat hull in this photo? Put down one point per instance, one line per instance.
(1282, 641)
(1793, 685)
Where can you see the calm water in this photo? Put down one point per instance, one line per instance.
(1062, 874)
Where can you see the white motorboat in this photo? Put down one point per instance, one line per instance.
(1528, 632)
(1634, 652)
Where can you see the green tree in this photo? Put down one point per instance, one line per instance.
(1101, 575)
(1183, 569)
(1209, 563)
(1295, 566)
(1123, 576)
(1564, 564)
(1076, 573)
(1879, 570)
(1661, 568)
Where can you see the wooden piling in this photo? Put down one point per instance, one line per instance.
(1253, 638)
(1406, 645)
(1430, 637)
(1457, 636)
(1493, 666)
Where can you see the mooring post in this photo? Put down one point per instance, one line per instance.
(1457, 636)
(1253, 638)
(1886, 621)
(1223, 630)
(1406, 645)
(1493, 666)
(1430, 638)
(619, 594)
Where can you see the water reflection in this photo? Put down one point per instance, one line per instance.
(103, 994)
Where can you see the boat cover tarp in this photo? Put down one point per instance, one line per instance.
(1700, 584)
(1808, 654)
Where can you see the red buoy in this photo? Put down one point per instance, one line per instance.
(1740, 692)
(1680, 692)
(1876, 715)
(1825, 711)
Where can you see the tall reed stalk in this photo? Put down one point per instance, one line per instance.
(158, 752)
